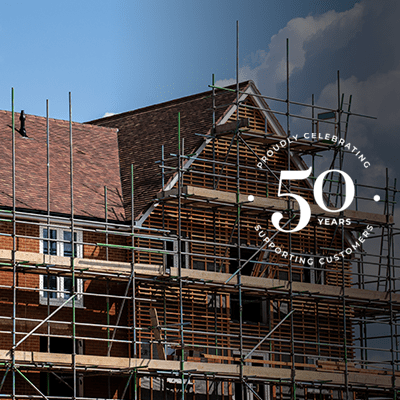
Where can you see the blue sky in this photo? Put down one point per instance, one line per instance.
(122, 55)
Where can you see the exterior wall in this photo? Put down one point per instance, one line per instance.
(30, 312)
(212, 241)
(213, 330)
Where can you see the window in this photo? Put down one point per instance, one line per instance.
(245, 255)
(57, 289)
(206, 266)
(57, 242)
(171, 260)
(254, 308)
(216, 302)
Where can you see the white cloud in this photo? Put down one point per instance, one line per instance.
(108, 114)
(378, 95)
(332, 29)
(360, 42)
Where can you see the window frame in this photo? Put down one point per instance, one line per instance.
(60, 296)
(60, 243)
(60, 280)
(174, 253)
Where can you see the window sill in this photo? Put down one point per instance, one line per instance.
(59, 302)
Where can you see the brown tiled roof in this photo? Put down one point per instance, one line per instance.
(142, 132)
(96, 164)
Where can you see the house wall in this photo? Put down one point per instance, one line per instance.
(213, 329)
(212, 239)
(30, 312)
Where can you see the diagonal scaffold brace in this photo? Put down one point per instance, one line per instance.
(269, 334)
(261, 248)
(44, 321)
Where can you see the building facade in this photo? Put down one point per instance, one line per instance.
(139, 260)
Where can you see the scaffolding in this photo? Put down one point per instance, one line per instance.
(202, 305)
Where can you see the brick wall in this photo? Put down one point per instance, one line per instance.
(94, 311)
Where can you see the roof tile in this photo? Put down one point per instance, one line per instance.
(95, 164)
(142, 132)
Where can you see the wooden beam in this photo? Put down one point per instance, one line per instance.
(218, 358)
(300, 145)
(157, 333)
(281, 285)
(382, 379)
(267, 203)
(84, 267)
(232, 126)
(122, 271)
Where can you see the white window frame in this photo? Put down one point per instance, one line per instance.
(60, 296)
(60, 243)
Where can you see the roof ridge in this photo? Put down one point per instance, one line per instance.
(167, 104)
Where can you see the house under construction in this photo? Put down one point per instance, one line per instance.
(139, 260)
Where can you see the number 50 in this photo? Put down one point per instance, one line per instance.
(304, 208)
